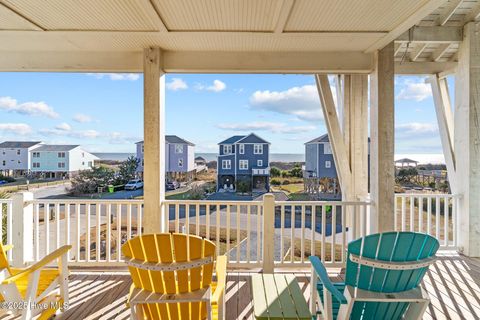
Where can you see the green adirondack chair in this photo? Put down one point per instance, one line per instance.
(382, 281)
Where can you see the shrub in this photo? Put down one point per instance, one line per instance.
(88, 181)
(275, 182)
(275, 172)
(285, 182)
(8, 179)
(243, 187)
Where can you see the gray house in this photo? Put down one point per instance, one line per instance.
(179, 155)
(243, 159)
(319, 162)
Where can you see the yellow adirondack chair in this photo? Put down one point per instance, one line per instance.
(172, 277)
(34, 290)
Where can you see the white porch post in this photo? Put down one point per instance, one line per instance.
(22, 229)
(467, 140)
(382, 173)
(154, 219)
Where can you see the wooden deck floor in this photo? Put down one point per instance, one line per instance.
(453, 284)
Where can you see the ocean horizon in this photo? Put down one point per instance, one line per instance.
(422, 158)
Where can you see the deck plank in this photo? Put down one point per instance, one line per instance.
(453, 284)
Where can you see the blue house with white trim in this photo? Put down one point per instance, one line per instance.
(319, 161)
(244, 159)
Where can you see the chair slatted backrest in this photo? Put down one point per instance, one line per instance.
(166, 249)
(390, 247)
(4, 260)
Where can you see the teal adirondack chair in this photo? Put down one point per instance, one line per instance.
(382, 281)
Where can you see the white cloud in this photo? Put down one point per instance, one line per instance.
(274, 127)
(417, 128)
(28, 108)
(82, 118)
(417, 91)
(82, 134)
(63, 126)
(15, 128)
(217, 86)
(302, 102)
(121, 138)
(176, 84)
(116, 76)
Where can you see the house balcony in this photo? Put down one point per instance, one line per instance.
(261, 171)
(254, 236)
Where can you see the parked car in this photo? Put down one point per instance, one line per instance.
(172, 185)
(134, 184)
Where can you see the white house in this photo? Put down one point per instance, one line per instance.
(56, 161)
(15, 157)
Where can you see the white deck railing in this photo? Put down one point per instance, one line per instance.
(252, 233)
(434, 214)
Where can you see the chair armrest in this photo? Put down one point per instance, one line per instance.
(221, 271)
(7, 247)
(320, 270)
(39, 265)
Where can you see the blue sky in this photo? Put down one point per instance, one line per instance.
(103, 112)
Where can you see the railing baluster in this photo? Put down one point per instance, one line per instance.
(67, 228)
(197, 219)
(46, 222)
(37, 231)
(57, 225)
(177, 218)
(446, 213)
(249, 228)
(403, 214)
(109, 232)
(292, 233)
(99, 240)
(259, 220)
(344, 232)
(78, 233)
(129, 221)
(302, 235)
(437, 217)
(324, 221)
(217, 227)
(119, 232)
(412, 213)
(395, 214)
(187, 219)
(429, 215)
(282, 226)
(207, 221)
(139, 220)
(454, 220)
(334, 231)
(238, 233)
(312, 229)
(228, 232)
(87, 242)
(420, 214)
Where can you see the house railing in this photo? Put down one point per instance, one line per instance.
(254, 234)
(434, 214)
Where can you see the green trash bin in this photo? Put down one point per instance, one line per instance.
(110, 188)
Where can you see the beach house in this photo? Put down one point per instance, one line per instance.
(179, 157)
(15, 157)
(319, 161)
(58, 161)
(243, 161)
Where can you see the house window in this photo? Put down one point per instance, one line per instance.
(61, 154)
(90, 164)
(243, 165)
(227, 149)
(328, 164)
(142, 162)
(83, 163)
(260, 163)
(83, 155)
(142, 148)
(258, 149)
(19, 161)
(241, 148)
(180, 163)
(18, 151)
(327, 148)
(178, 148)
(36, 164)
(61, 164)
(226, 164)
(36, 154)
(4, 162)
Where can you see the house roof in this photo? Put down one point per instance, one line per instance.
(57, 147)
(405, 160)
(200, 158)
(174, 139)
(322, 138)
(232, 140)
(18, 144)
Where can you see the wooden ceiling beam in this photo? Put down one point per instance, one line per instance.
(448, 11)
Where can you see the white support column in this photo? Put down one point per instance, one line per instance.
(154, 141)
(467, 140)
(382, 174)
(22, 229)
(444, 114)
(268, 255)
